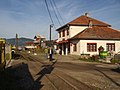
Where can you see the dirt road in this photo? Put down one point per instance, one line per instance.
(79, 74)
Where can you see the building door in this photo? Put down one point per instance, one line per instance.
(64, 48)
(68, 48)
(60, 49)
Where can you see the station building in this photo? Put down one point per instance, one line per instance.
(84, 35)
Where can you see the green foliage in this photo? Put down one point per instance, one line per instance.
(115, 61)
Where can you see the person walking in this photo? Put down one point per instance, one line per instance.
(50, 53)
(13, 54)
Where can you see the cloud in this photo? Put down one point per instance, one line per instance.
(27, 20)
(29, 27)
(30, 17)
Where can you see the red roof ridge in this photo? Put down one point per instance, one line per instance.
(84, 20)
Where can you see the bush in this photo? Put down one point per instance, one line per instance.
(115, 61)
(95, 57)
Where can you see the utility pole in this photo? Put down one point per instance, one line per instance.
(16, 41)
(50, 32)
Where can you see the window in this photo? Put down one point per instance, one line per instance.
(74, 47)
(67, 32)
(110, 46)
(59, 34)
(91, 47)
(63, 33)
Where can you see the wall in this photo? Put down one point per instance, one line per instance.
(78, 47)
(66, 36)
(83, 45)
(74, 30)
(8, 50)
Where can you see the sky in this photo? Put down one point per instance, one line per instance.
(28, 18)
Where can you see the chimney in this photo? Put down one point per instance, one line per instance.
(90, 24)
(86, 14)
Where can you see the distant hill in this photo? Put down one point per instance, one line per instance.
(21, 41)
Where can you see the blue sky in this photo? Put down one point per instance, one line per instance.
(30, 17)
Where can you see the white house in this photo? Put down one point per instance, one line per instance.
(39, 40)
(85, 35)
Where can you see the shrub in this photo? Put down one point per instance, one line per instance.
(115, 61)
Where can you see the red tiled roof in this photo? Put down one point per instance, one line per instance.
(98, 33)
(84, 20)
(64, 41)
(28, 43)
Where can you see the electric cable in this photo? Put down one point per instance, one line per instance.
(58, 11)
(49, 13)
(55, 12)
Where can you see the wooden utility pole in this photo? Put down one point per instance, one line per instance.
(50, 32)
(16, 41)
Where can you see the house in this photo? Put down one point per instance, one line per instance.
(85, 35)
(29, 45)
(39, 40)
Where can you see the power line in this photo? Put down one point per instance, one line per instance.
(55, 12)
(58, 11)
(49, 13)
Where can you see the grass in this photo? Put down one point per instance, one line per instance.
(88, 60)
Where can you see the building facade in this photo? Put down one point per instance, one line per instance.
(85, 35)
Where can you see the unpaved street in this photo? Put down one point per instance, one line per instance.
(81, 75)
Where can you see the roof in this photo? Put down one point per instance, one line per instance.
(96, 32)
(64, 41)
(39, 36)
(84, 21)
(29, 43)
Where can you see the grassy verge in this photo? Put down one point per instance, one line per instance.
(88, 60)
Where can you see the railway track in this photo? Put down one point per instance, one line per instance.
(55, 80)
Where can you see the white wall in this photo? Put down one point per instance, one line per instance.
(82, 46)
(74, 30)
(117, 45)
(66, 36)
(78, 47)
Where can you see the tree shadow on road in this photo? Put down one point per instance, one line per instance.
(116, 70)
(46, 69)
(109, 78)
(16, 77)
